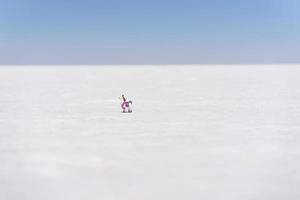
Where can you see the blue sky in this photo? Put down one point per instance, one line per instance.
(149, 32)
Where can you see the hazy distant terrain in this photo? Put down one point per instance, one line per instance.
(196, 132)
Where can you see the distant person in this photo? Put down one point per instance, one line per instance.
(126, 105)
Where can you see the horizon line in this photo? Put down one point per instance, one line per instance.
(112, 65)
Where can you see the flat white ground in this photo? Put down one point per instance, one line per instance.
(196, 132)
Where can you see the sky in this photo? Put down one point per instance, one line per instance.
(95, 32)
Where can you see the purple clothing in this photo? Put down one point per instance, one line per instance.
(125, 104)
